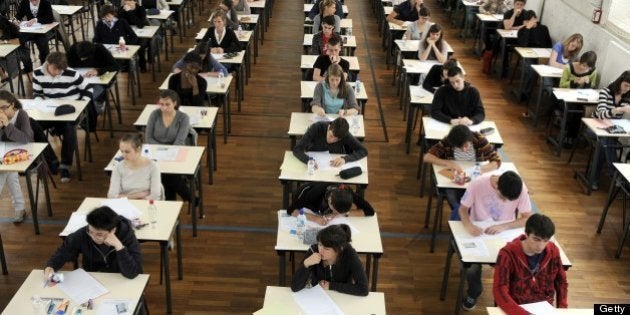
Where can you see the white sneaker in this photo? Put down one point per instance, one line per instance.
(19, 216)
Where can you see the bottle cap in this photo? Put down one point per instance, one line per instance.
(151, 201)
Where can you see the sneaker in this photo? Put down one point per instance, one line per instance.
(65, 175)
(19, 216)
(469, 303)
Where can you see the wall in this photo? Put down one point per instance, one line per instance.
(563, 20)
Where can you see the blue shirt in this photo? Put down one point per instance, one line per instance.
(332, 104)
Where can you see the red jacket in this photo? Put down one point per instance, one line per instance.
(514, 282)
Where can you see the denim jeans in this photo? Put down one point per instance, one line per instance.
(453, 197)
(607, 154)
(473, 276)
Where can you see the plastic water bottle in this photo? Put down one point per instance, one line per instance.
(476, 171)
(355, 124)
(221, 76)
(152, 210)
(357, 86)
(146, 151)
(349, 31)
(310, 166)
(239, 31)
(121, 44)
(301, 225)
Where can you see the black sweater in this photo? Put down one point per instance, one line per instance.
(346, 275)
(101, 258)
(44, 12)
(434, 79)
(185, 95)
(313, 196)
(315, 140)
(101, 60)
(449, 103)
(534, 37)
(104, 35)
(229, 43)
(137, 17)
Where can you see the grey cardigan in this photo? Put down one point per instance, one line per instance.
(20, 131)
(175, 134)
(348, 103)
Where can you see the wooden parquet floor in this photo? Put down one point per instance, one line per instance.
(232, 260)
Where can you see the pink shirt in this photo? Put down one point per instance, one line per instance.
(484, 202)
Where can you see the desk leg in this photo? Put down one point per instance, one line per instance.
(199, 184)
(167, 276)
(410, 115)
(42, 174)
(118, 103)
(77, 154)
(460, 289)
(210, 155)
(293, 141)
(375, 271)
(191, 204)
(214, 147)
(31, 198)
(225, 118)
(447, 269)
(612, 193)
(281, 267)
(285, 193)
(239, 85)
(534, 115)
(3, 260)
(436, 220)
(229, 110)
(178, 240)
(368, 266)
(109, 115)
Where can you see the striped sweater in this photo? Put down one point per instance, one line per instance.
(69, 85)
(484, 150)
(607, 102)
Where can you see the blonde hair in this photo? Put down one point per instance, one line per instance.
(572, 55)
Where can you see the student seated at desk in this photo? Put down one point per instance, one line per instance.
(242, 7)
(512, 20)
(529, 269)
(321, 38)
(55, 80)
(110, 29)
(614, 103)
(433, 46)
(210, 67)
(327, 202)
(405, 12)
(578, 75)
(491, 7)
(438, 74)
(221, 38)
(334, 95)
(230, 13)
(497, 198)
(107, 244)
(566, 51)
(461, 144)
(315, 9)
(333, 137)
(323, 62)
(136, 15)
(188, 84)
(135, 177)
(333, 264)
(35, 11)
(534, 35)
(167, 125)
(10, 34)
(457, 102)
(419, 29)
(14, 127)
(327, 8)
(95, 56)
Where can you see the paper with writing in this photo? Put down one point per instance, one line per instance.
(114, 306)
(44, 106)
(77, 221)
(80, 286)
(315, 301)
(123, 207)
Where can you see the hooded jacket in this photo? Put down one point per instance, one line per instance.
(515, 283)
(449, 103)
(313, 197)
(101, 258)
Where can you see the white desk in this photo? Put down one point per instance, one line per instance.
(74, 118)
(573, 102)
(301, 121)
(373, 304)
(119, 288)
(43, 30)
(107, 79)
(214, 87)
(10, 51)
(148, 33)
(435, 130)
(130, 54)
(529, 53)
(619, 182)
(168, 223)
(293, 169)
(189, 166)
(69, 11)
(349, 45)
(543, 71)
(368, 241)
(34, 162)
(199, 121)
(493, 244)
(419, 98)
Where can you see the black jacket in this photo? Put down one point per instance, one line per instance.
(449, 103)
(346, 275)
(534, 37)
(313, 196)
(229, 43)
(44, 12)
(101, 60)
(137, 17)
(104, 35)
(433, 81)
(101, 258)
(315, 140)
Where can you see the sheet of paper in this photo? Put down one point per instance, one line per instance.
(348, 165)
(588, 94)
(217, 56)
(165, 154)
(473, 246)
(476, 128)
(624, 123)
(540, 308)
(80, 286)
(115, 306)
(77, 221)
(123, 207)
(421, 93)
(317, 118)
(289, 223)
(45, 106)
(35, 26)
(315, 301)
(437, 125)
(195, 119)
(542, 52)
(322, 158)
(273, 309)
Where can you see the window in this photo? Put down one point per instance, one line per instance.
(618, 20)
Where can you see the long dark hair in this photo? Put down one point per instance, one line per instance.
(435, 28)
(337, 237)
(10, 98)
(615, 86)
(9, 30)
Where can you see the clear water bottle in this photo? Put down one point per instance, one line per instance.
(476, 171)
(355, 124)
(121, 44)
(152, 210)
(239, 31)
(301, 225)
(221, 76)
(357, 86)
(310, 166)
(349, 31)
